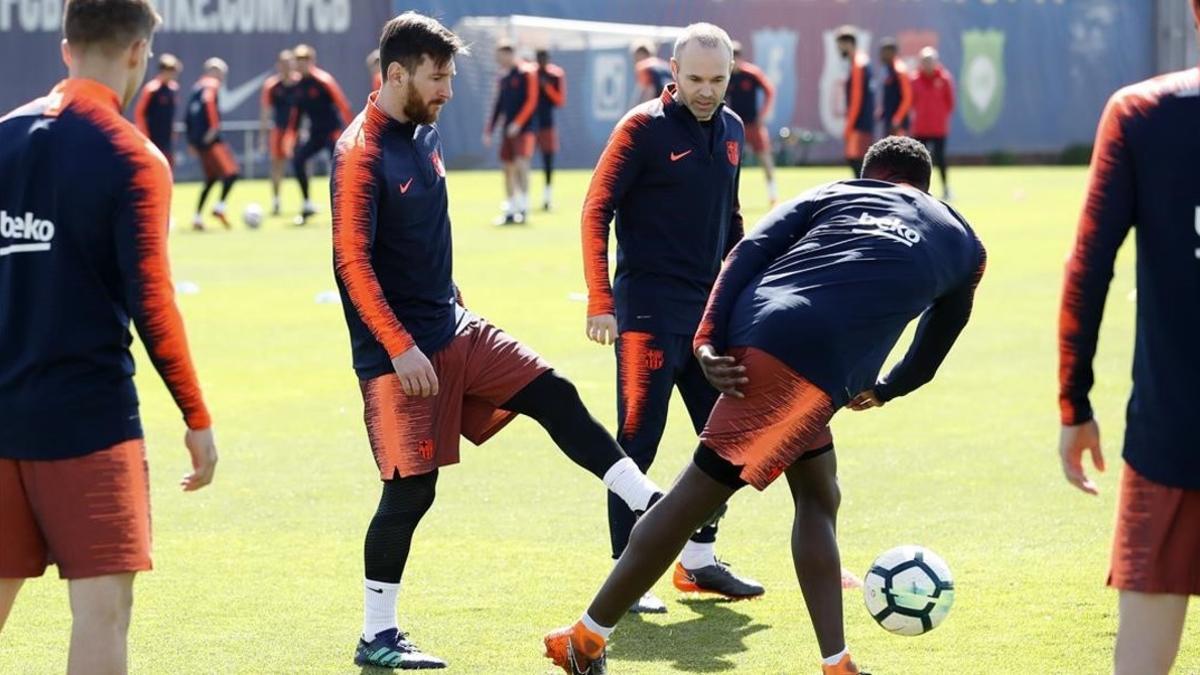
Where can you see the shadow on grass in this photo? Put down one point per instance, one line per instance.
(701, 644)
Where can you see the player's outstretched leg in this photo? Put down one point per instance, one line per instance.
(555, 404)
(402, 504)
(300, 169)
(813, 482)
(100, 612)
(657, 538)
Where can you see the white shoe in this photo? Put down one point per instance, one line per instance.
(649, 604)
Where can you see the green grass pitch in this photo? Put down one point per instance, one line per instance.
(261, 572)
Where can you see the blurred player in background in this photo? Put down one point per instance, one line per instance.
(651, 73)
(373, 70)
(513, 113)
(669, 175)
(1147, 138)
(277, 119)
(204, 137)
(933, 104)
(552, 94)
(429, 370)
(804, 313)
(860, 99)
(88, 253)
(747, 83)
(154, 113)
(319, 100)
(896, 89)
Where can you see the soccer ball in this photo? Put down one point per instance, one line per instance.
(909, 590)
(252, 216)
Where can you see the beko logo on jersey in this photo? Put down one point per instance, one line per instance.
(887, 226)
(35, 232)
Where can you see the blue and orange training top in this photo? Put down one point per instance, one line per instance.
(827, 282)
(746, 84)
(154, 112)
(84, 202)
(860, 98)
(516, 97)
(279, 97)
(672, 185)
(552, 93)
(392, 251)
(653, 73)
(1148, 139)
(897, 95)
(320, 99)
(203, 112)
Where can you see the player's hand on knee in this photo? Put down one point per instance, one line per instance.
(602, 328)
(487, 140)
(1073, 441)
(203, 448)
(722, 372)
(513, 130)
(416, 373)
(865, 401)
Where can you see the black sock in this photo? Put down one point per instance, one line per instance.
(548, 166)
(403, 502)
(554, 402)
(227, 185)
(208, 185)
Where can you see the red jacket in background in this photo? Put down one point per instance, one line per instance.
(933, 103)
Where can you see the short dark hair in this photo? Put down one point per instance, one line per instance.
(846, 33)
(410, 37)
(110, 23)
(899, 159)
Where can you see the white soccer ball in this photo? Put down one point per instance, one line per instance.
(909, 590)
(252, 216)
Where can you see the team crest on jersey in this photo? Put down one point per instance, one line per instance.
(425, 448)
(733, 152)
(654, 359)
(438, 166)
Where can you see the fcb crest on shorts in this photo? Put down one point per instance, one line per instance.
(436, 158)
(733, 152)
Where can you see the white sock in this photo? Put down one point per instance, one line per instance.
(772, 191)
(626, 480)
(833, 660)
(275, 202)
(219, 207)
(309, 205)
(590, 623)
(696, 555)
(197, 219)
(507, 206)
(379, 607)
(547, 194)
(522, 202)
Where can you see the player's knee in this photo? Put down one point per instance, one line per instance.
(410, 497)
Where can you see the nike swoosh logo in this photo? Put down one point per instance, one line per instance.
(676, 156)
(404, 187)
(232, 98)
(376, 590)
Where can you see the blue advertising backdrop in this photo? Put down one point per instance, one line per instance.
(1032, 75)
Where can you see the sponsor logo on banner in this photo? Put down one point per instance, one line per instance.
(202, 16)
(775, 53)
(832, 94)
(609, 93)
(982, 78)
